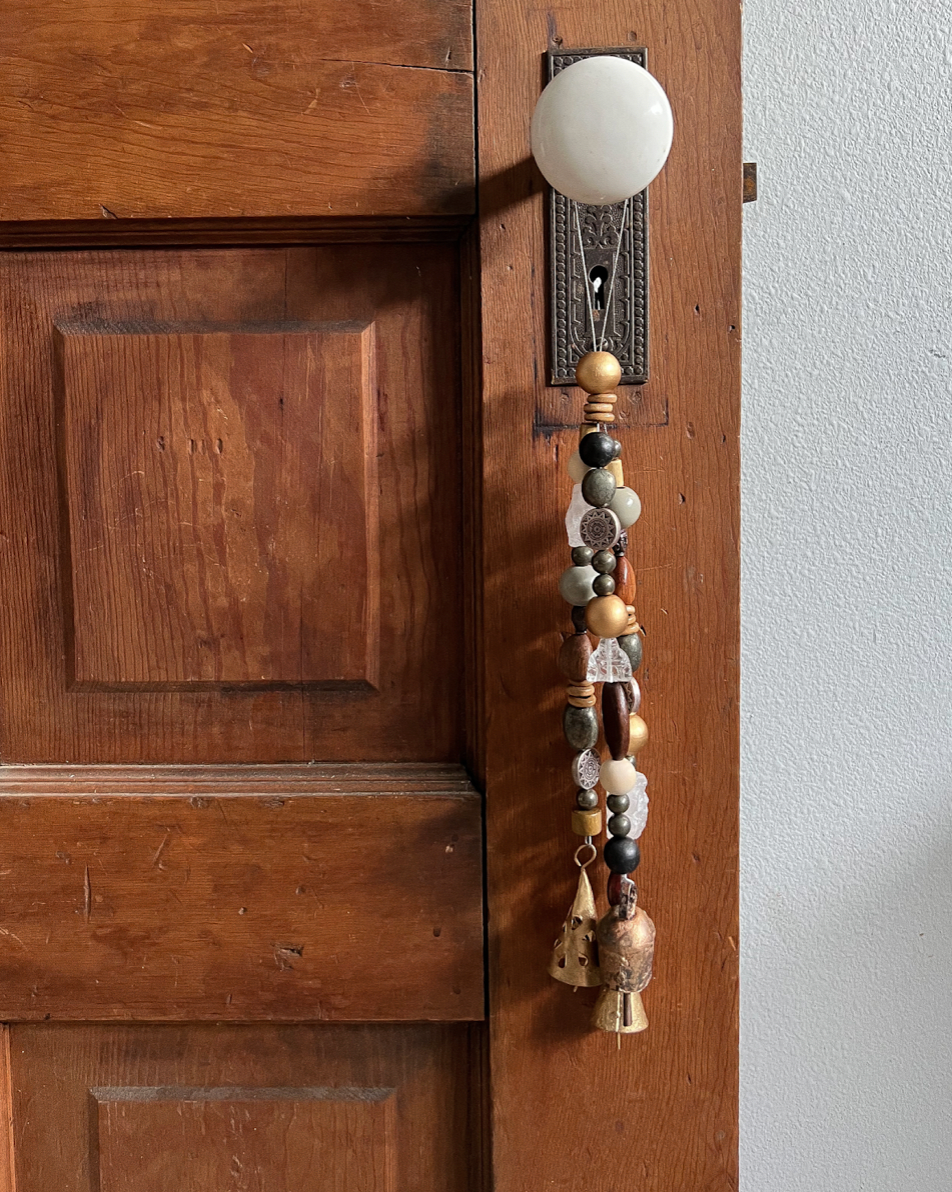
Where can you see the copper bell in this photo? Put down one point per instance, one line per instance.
(575, 958)
(625, 951)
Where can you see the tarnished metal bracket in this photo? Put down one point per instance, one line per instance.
(626, 333)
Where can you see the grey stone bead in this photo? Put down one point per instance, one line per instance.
(619, 825)
(580, 726)
(632, 645)
(582, 555)
(618, 803)
(603, 585)
(587, 800)
(598, 487)
(604, 562)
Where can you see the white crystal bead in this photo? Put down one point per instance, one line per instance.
(578, 507)
(609, 663)
(638, 805)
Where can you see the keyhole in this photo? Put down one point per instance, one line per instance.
(598, 277)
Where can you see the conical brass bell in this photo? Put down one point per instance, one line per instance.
(575, 956)
(625, 950)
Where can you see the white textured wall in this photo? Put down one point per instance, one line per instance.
(847, 607)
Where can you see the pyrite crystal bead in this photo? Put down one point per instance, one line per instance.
(582, 555)
(597, 450)
(619, 825)
(603, 585)
(622, 854)
(618, 804)
(606, 616)
(587, 799)
(580, 726)
(604, 562)
(575, 584)
(632, 645)
(598, 372)
(598, 488)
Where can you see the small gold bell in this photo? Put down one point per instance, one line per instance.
(575, 957)
(625, 949)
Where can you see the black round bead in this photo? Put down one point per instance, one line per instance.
(597, 449)
(598, 486)
(603, 585)
(604, 561)
(582, 555)
(616, 448)
(617, 803)
(622, 854)
(578, 618)
(619, 825)
(587, 800)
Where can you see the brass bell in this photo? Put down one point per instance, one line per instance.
(575, 956)
(625, 950)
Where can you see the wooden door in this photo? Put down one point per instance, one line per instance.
(280, 492)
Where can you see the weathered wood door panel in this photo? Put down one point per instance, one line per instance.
(280, 492)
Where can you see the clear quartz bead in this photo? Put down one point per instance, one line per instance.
(609, 663)
(638, 806)
(578, 507)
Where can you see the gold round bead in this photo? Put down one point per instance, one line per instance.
(606, 616)
(637, 733)
(598, 372)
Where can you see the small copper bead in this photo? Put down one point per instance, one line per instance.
(637, 733)
(598, 372)
(606, 616)
(586, 823)
(574, 655)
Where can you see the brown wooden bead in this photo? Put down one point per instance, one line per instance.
(615, 719)
(599, 407)
(606, 616)
(596, 418)
(582, 689)
(586, 823)
(574, 655)
(625, 584)
(598, 372)
(637, 733)
(581, 701)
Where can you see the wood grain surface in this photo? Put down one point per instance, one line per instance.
(572, 1109)
(159, 499)
(118, 110)
(269, 1108)
(251, 893)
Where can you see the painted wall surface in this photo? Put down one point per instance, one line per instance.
(847, 606)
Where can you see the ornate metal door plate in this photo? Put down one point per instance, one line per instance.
(626, 334)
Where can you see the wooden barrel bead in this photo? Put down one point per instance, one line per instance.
(606, 616)
(586, 823)
(581, 701)
(574, 655)
(637, 733)
(598, 372)
(580, 726)
(617, 471)
(615, 719)
(625, 583)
